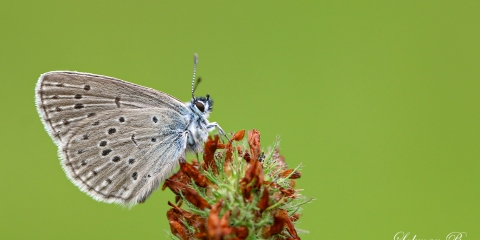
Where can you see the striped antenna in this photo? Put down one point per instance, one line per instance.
(195, 62)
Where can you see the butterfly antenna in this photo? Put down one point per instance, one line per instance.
(195, 62)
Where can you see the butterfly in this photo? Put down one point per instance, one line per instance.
(118, 141)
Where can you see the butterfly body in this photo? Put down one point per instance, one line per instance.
(117, 140)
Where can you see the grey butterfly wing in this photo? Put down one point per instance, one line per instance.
(66, 98)
(122, 156)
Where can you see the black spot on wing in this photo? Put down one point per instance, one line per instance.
(106, 152)
(78, 106)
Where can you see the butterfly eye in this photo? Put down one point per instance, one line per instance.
(200, 106)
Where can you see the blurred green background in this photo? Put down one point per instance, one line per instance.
(379, 101)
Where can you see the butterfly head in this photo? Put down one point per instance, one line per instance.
(200, 105)
(204, 105)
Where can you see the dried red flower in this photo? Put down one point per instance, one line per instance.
(177, 226)
(178, 214)
(178, 229)
(238, 136)
(263, 203)
(179, 176)
(191, 195)
(291, 174)
(288, 192)
(239, 150)
(276, 228)
(222, 220)
(281, 220)
(246, 156)
(194, 174)
(228, 153)
(253, 179)
(209, 153)
(254, 142)
(288, 223)
(295, 217)
(218, 227)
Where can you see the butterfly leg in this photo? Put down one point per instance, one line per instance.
(182, 160)
(212, 125)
